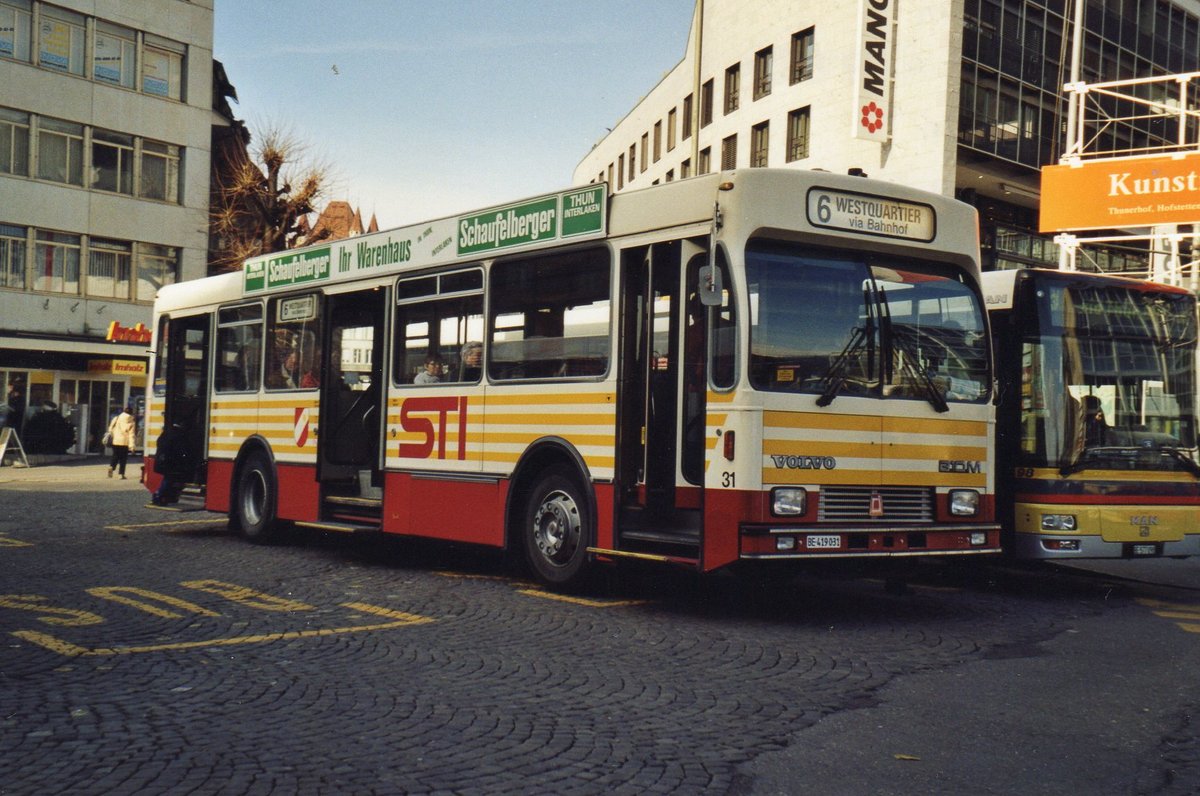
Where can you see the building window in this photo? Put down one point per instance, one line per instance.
(802, 55)
(670, 175)
(797, 134)
(687, 117)
(113, 55)
(160, 171)
(645, 151)
(162, 67)
(610, 174)
(760, 135)
(15, 20)
(706, 104)
(632, 161)
(60, 40)
(620, 172)
(60, 151)
(733, 79)
(685, 169)
(110, 264)
(112, 162)
(763, 60)
(14, 142)
(670, 129)
(657, 141)
(704, 165)
(56, 263)
(156, 266)
(729, 153)
(12, 256)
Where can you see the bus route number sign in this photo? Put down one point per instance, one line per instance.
(871, 215)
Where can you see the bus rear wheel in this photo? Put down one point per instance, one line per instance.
(254, 508)
(556, 530)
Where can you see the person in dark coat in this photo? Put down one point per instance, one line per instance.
(174, 460)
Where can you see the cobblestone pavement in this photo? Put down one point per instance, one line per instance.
(144, 651)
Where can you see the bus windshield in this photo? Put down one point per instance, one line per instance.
(848, 325)
(1108, 377)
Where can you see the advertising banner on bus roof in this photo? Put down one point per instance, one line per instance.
(544, 220)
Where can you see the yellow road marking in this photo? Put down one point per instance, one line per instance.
(401, 619)
(1168, 610)
(590, 603)
(142, 525)
(8, 541)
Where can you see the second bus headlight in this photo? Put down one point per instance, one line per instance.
(964, 502)
(1059, 522)
(787, 501)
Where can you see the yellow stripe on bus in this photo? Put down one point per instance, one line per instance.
(1052, 473)
(934, 425)
(563, 398)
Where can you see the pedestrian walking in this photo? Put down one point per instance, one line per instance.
(121, 430)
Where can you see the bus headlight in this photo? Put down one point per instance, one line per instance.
(788, 501)
(964, 502)
(1059, 522)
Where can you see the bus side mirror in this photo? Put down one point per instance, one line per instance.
(711, 290)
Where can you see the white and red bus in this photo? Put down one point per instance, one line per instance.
(752, 365)
(1096, 419)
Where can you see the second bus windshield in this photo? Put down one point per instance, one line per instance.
(842, 325)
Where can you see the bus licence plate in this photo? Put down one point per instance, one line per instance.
(1145, 550)
(829, 541)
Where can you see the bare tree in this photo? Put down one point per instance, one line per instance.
(261, 197)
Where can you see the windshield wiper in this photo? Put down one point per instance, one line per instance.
(835, 377)
(1182, 456)
(916, 374)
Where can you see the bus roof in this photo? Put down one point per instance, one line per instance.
(834, 205)
(999, 287)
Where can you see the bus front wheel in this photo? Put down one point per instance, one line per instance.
(556, 530)
(255, 505)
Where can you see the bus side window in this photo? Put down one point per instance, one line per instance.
(439, 325)
(239, 348)
(550, 316)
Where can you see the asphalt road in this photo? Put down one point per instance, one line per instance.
(144, 651)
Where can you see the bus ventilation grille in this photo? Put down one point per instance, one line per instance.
(853, 504)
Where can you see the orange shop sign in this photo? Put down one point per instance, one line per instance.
(1121, 193)
(126, 334)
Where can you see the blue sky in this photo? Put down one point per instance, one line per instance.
(425, 108)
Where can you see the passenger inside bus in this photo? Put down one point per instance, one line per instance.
(1095, 429)
(432, 372)
(471, 361)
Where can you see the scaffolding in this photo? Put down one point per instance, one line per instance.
(1093, 111)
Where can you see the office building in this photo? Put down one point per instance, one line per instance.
(962, 97)
(106, 119)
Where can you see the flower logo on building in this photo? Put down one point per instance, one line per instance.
(872, 117)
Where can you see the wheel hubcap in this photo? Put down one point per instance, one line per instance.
(556, 527)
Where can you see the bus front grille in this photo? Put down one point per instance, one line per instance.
(875, 504)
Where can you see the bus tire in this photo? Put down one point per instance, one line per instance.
(556, 529)
(256, 498)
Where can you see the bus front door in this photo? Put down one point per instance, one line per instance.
(187, 386)
(662, 383)
(352, 393)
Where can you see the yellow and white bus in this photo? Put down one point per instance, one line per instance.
(1096, 419)
(760, 364)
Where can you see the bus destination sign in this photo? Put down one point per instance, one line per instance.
(871, 215)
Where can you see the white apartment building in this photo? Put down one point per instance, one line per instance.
(105, 128)
(961, 97)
